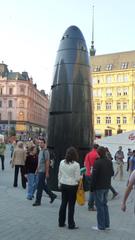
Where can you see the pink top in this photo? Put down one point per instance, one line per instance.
(89, 161)
(132, 177)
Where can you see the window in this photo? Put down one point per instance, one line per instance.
(118, 106)
(124, 120)
(119, 78)
(108, 92)
(97, 68)
(124, 65)
(108, 132)
(9, 116)
(124, 106)
(108, 106)
(94, 80)
(119, 92)
(108, 120)
(10, 91)
(108, 79)
(0, 103)
(99, 93)
(125, 78)
(10, 103)
(22, 89)
(118, 120)
(98, 120)
(98, 106)
(109, 67)
(125, 91)
(94, 93)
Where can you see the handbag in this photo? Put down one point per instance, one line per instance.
(80, 196)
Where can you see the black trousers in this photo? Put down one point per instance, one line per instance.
(2, 161)
(68, 198)
(23, 179)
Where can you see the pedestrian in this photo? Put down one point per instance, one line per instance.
(101, 181)
(89, 160)
(30, 168)
(129, 154)
(68, 179)
(18, 161)
(2, 153)
(131, 183)
(119, 157)
(43, 173)
(109, 156)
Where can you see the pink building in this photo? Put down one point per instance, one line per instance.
(22, 105)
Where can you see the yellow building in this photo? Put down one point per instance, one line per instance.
(113, 79)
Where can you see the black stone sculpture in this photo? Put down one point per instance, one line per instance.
(70, 115)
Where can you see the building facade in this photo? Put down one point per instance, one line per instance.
(113, 77)
(22, 106)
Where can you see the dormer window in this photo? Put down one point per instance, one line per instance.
(124, 65)
(97, 68)
(109, 67)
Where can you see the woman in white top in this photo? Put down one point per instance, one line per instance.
(68, 178)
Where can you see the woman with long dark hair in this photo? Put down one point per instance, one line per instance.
(68, 178)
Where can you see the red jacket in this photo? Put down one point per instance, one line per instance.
(89, 161)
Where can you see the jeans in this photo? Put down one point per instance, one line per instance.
(2, 161)
(91, 194)
(31, 185)
(103, 220)
(42, 185)
(68, 199)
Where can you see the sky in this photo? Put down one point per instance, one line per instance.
(31, 30)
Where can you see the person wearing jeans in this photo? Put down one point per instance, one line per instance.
(101, 181)
(30, 167)
(102, 208)
(42, 174)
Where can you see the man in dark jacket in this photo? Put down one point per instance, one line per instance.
(101, 181)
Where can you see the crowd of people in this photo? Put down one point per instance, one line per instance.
(32, 159)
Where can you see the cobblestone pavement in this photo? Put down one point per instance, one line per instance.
(19, 220)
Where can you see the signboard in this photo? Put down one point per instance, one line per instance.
(20, 127)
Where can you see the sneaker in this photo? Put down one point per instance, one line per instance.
(95, 228)
(36, 204)
(53, 198)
